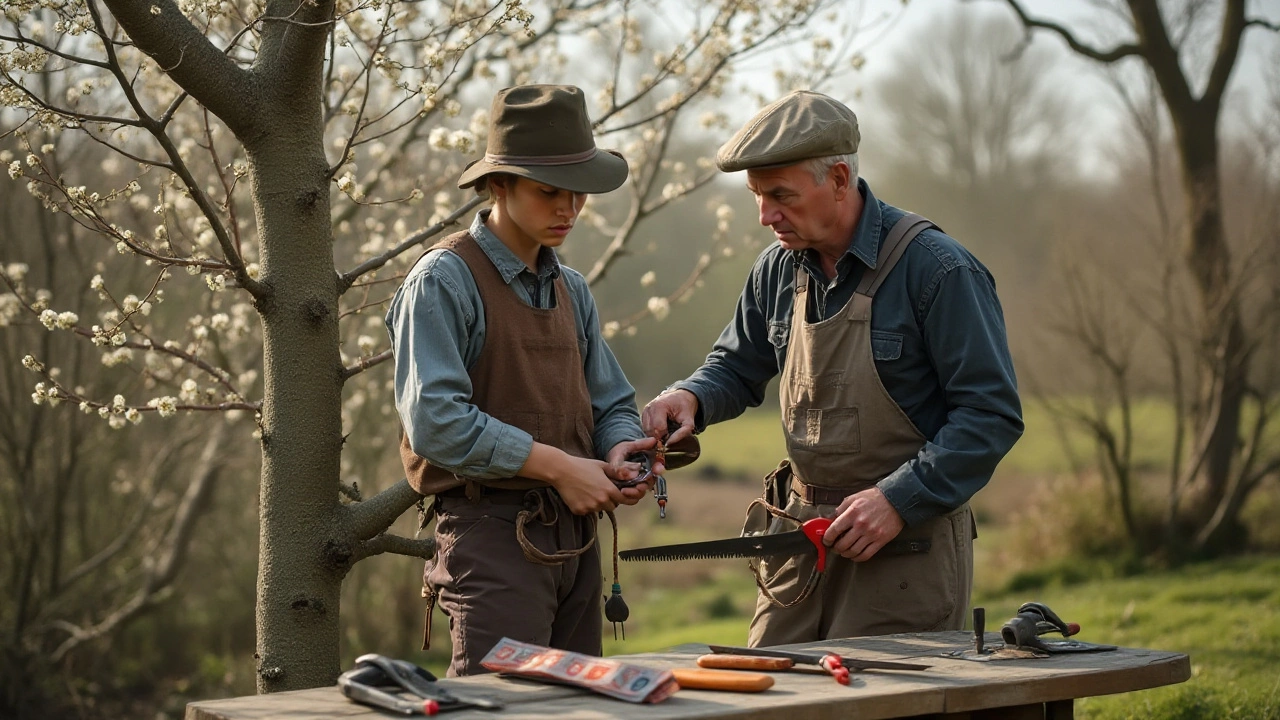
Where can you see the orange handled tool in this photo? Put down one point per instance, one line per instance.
(744, 662)
(731, 680)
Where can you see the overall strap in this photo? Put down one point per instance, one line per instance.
(895, 244)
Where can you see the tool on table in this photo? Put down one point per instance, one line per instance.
(702, 679)
(365, 682)
(744, 662)
(1021, 636)
(833, 663)
(805, 540)
(979, 629)
(1035, 619)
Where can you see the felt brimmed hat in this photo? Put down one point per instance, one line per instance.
(542, 132)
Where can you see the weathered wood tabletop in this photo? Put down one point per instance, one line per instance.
(951, 688)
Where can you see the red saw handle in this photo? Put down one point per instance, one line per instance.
(814, 529)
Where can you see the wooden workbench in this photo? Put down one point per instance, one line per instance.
(953, 688)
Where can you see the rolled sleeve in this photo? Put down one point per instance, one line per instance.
(436, 327)
(964, 334)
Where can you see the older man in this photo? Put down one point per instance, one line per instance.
(897, 389)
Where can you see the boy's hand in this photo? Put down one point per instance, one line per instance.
(624, 470)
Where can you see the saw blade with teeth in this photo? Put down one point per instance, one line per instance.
(788, 543)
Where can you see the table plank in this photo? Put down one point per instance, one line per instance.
(951, 685)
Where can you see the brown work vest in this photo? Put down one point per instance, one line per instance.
(529, 373)
(843, 429)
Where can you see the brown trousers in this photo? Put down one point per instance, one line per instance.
(489, 590)
(882, 596)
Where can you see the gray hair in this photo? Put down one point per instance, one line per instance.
(820, 166)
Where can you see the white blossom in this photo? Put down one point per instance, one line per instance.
(29, 362)
(133, 415)
(367, 344)
(648, 279)
(119, 356)
(659, 307)
(165, 406)
(189, 391)
(611, 328)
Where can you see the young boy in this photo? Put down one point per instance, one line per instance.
(509, 395)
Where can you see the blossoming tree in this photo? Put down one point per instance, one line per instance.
(281, 153)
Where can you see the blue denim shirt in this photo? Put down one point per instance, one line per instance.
(437, 329)
(938, 337)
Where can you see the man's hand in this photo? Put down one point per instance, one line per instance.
(678, 407)
(864, 522)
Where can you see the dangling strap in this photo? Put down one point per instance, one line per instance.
(809, 586)
(541, 514)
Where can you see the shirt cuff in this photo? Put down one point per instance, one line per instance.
(905, 493)
(510, 452)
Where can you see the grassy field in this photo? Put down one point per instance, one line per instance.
(752, 444)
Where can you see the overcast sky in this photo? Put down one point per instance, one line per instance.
(881, 42)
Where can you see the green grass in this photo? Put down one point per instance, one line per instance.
(1224, 615)
(752, 444)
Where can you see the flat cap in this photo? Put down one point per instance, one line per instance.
(800, 126)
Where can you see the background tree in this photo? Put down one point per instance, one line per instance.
(268, 149)
(1225, 456)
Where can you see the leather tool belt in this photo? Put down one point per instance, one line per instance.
(822, 495)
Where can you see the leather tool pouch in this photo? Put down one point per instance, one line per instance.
(776, 486)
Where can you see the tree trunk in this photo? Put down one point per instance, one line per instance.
(298, 585)
(1223, 336)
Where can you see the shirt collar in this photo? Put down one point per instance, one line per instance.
(509, 266)
(866, 237)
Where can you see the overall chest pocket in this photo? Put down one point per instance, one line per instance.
(886, 346)
(824, 430)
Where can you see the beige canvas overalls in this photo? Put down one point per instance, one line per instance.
(845, 433)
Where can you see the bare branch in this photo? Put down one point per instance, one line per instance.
(1118, 52)
(346, 279)
(424, 548)
(373, 516)
(163, 568)
(364, 364)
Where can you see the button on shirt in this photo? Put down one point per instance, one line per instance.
(938, 337)
(437, 329)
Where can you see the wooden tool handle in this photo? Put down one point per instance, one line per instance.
(744, 662)
(731, 680)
